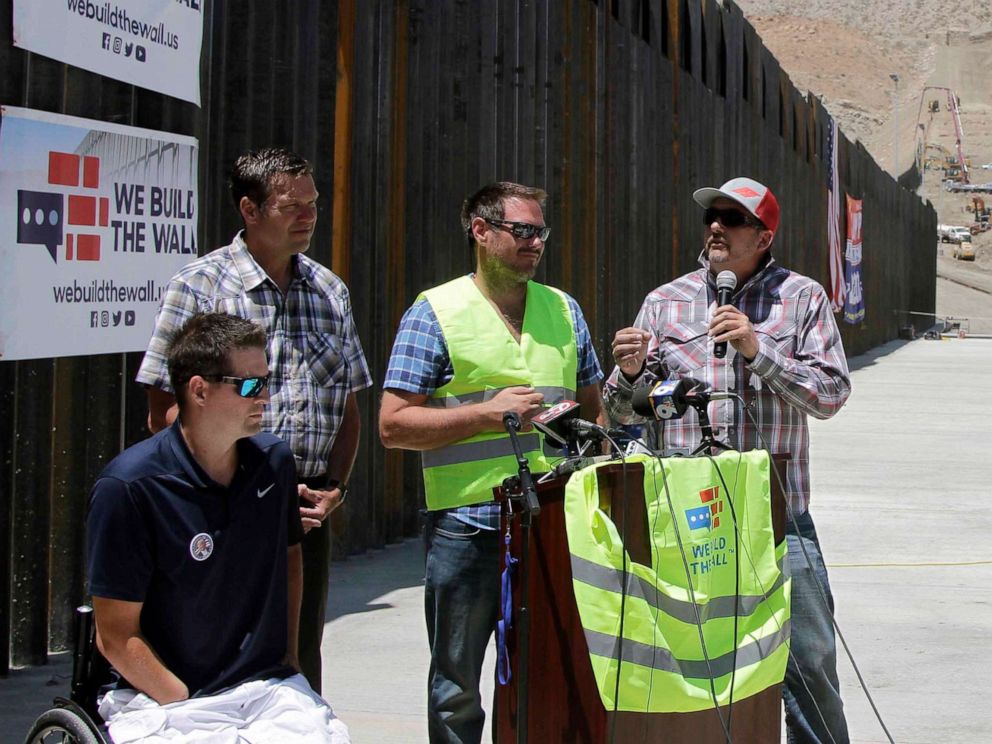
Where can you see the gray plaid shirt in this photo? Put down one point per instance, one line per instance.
(315, 357)
(800, 369)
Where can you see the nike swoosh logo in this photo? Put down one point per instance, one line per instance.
(261, 492)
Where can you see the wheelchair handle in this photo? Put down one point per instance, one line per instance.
(82, 654)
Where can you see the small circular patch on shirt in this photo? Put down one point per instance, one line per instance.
(201, 546)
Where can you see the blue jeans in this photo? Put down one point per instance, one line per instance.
(461, 599)
(814, 712)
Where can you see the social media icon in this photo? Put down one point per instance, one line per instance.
(118, 43)
(128, 48)
(129, 317)
(104, 318)
(106, 41)
(117, 318)
(139, 53)
(39, 220)
(94, 318)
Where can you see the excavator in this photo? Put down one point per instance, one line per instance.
(981, 213)
(940, 158)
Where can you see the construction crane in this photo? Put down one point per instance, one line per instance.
(952, 106)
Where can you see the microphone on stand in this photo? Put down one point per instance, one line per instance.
(513, 424)
(670, 399)
(726, 283)
(561, 424)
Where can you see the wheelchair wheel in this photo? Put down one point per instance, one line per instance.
(62, 726)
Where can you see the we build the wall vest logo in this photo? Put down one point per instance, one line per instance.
(712, 551)
(41, 214)
(708, 515)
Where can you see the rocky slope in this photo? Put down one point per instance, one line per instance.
(851, 52)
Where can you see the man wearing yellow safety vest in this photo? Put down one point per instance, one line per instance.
(787, 362)
(467, 352)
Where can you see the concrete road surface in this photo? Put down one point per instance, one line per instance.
(901, 499)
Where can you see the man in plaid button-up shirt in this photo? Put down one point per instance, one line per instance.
(315, 358)
(786, 360)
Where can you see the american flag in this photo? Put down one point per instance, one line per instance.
(837, 288)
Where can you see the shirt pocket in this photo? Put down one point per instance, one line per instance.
(685, 348)
(326, 363)
(780, 336)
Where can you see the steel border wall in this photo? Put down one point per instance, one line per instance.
(618, 108)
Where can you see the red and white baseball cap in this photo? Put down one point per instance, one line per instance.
(756, 198)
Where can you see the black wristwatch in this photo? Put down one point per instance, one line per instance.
(342, 487)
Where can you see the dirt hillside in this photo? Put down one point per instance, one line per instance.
(871, 63)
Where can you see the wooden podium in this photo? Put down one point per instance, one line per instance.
(563, 701)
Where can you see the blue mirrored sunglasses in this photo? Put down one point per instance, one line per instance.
(247, 387)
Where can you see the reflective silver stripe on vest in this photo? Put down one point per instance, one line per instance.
(661, 659)
(455, 454)
(609, 579)
(551, 395)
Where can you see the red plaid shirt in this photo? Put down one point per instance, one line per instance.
(800, 368)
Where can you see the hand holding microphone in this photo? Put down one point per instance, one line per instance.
(523, 401)
(729, 323)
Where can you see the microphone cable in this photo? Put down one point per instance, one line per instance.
(820, 591)
(791, 517)
(623, 583)
(692, 601)
(692, 594)
(623, 596)
(737, 573)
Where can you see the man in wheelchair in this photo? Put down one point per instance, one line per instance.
(194, 560)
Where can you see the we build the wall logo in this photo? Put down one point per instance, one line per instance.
(41, 215)
(708, 515)
(711, 551)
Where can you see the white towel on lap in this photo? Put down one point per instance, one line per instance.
(270, 711)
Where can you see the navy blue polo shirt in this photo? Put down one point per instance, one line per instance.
(208, 562)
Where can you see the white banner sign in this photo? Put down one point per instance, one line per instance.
(94, 220)
(151, 43)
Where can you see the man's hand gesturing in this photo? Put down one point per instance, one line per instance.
(630, 350)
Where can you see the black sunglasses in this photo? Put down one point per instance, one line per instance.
(522, 230)
(248, 387)
(730, 218)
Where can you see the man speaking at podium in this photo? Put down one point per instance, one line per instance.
(467, 352)
(787, 362)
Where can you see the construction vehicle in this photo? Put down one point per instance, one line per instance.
(953, 233)
(981, 213)
(938, 157)
(963, 250)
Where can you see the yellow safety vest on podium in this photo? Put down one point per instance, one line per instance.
(486, 359)
(691, 535)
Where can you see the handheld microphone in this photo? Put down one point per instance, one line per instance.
(726, 283)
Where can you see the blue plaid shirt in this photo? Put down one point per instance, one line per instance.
(420, 364)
